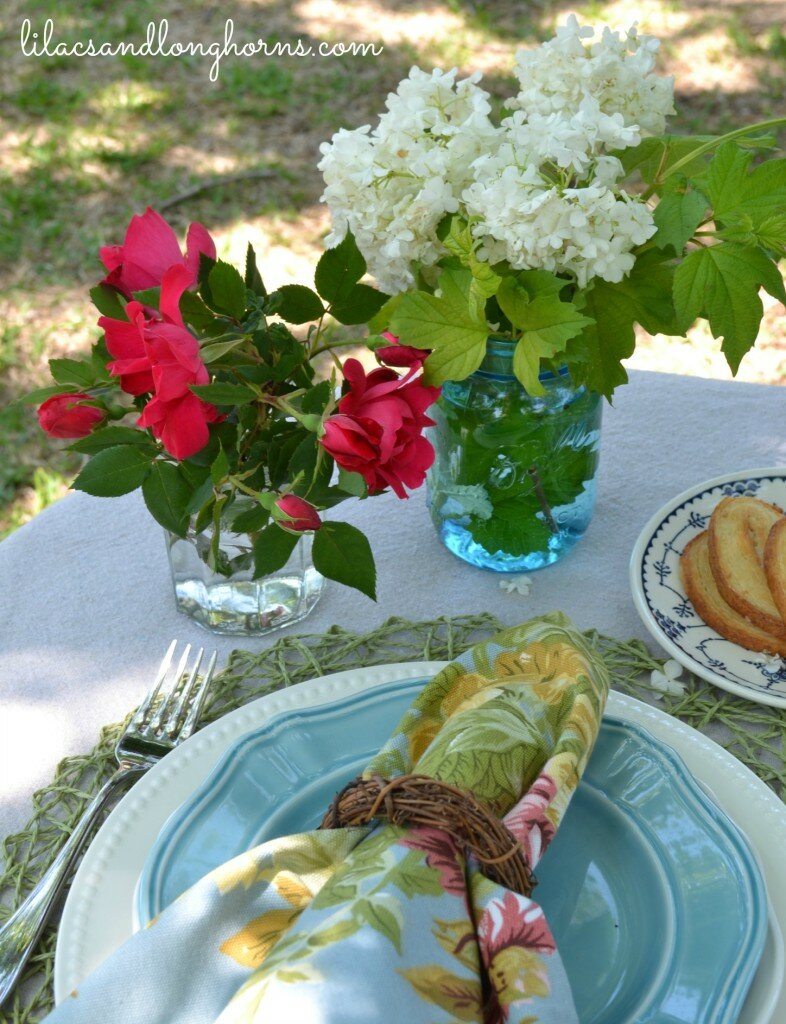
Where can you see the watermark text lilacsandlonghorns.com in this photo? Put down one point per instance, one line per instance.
(156, 43)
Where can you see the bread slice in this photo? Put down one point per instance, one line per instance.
(699, 583)
(738, 533)
(775, 565)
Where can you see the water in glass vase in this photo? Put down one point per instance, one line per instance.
(512, 487)
(231, 601)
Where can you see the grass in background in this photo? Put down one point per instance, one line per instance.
(89, 142)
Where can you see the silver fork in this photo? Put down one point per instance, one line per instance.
(166, 717)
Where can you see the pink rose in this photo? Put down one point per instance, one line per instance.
(126, 339)
(302, 514)
(378, 428)
(68, 416)
(396, 354)
(150, 247)
(177, 417)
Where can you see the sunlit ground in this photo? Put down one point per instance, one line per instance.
(87, 143)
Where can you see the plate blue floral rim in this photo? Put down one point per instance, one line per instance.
(648, 879)
(664, 607)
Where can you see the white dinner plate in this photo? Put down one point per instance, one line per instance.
(98, 915)
(664, 607)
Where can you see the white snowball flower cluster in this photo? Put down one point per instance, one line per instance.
(615, 70)
(540, 191)
(588, 231)
(392, 186)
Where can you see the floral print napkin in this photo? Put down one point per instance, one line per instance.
(387, 923)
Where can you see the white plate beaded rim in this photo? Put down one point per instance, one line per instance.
(664, 606)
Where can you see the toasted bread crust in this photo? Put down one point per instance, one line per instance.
(701, 588)
(738, 533)
(775, 565)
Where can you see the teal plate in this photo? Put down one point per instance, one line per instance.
(657, 905)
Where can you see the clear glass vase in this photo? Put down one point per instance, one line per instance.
(230, 601)
(512, 487)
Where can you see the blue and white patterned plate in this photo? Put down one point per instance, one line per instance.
(664, 607)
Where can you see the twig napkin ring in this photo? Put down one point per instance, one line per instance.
(421, 800)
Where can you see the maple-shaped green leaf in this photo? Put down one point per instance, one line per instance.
(678, 214)
(548, 325)
(770, 233)
(452, 324)
(456, 236)
(644, 296)
(733, 190)
(722, 282)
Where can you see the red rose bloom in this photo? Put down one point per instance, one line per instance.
(396, 354)
(126, 339)
(159, 354)
(378, 429)
(68, 416)
(303, 515)
(175, 415)
(149, 249)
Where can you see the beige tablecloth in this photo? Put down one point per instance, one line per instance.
(86, 607)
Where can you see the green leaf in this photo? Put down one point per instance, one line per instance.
(228, 290)
(733, 191)
(315, 400)
(195, 313)
(678, 214)
(202, 494)
(41, 394)
(381, 320)
(148, 296)
(539, 282)
(219, 468)
(359, 305)
(114, 471)
(253, 279)
(595, 356)
(251, 520)
(516, 527)
(108, 302)
(450, 324)
(167, 494)
(74, 371)
(110, 437)
(222, 393)
(298, 304)
(213, 350)
(342, 553)
(722, 282)
(338, 271)
(352, 483)
(272, 550)
(456, 236)
(546, 323)
(656, 154)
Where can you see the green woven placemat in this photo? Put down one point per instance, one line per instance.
(752, 732)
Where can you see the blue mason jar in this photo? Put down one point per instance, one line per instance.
(512, 487)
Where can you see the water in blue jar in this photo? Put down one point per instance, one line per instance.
(512, 488)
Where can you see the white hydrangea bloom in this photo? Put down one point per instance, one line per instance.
(392, 186)
(615, 70)
(541, 190)
(587, 231)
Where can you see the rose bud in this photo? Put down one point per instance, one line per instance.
(302, 514)
(68, 416)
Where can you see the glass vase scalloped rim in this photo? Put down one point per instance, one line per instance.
(663, 604)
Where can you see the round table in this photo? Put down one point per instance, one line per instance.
(87, 610)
